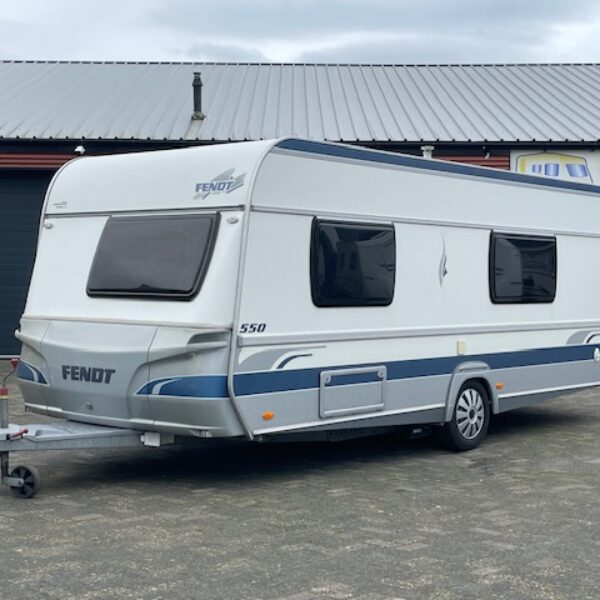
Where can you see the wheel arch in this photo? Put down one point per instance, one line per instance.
(470, 371)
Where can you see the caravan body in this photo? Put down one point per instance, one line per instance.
(287, 286)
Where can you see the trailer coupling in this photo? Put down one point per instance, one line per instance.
(24, 480)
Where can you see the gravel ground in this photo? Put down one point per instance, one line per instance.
(370, 519)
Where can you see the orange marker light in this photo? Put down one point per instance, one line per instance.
(267, 416)
(499, 386)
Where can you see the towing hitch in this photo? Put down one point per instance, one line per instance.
(24, 480)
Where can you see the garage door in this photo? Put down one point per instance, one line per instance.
(21, 197)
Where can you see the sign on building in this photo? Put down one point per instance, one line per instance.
(582, 166)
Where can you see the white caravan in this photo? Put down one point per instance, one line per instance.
(289, 287)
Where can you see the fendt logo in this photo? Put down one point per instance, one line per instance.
(221, 184)
(91, 374)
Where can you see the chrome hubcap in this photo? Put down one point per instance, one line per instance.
(470, 414)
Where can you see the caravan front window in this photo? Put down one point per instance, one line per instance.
(157, 256)
(352, 264)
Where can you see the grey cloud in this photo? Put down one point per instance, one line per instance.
(222, 53)
(407, 54)
(301, 30)
(268, 18)
(428, 49)
(430, 30)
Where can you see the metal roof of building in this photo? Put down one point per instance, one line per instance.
(337, 102)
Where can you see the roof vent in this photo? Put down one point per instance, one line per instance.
(427, 151)
(197, 86)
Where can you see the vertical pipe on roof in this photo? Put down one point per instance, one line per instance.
(197, 114)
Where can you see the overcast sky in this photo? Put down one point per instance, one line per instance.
(391, 31)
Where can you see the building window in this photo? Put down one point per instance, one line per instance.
(522, 268)
(155, 257)
(352, 264)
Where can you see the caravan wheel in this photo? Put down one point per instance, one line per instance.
(470, 419)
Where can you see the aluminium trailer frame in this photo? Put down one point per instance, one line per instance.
(24, 480)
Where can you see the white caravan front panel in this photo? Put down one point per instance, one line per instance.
(66, 250)
(165, 179)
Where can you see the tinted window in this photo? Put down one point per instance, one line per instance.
(352, 265)
(162, 256)
(522, 268)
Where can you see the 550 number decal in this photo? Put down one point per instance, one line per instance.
(252, 327)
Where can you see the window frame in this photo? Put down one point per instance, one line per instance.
(215, 219)
(313, 260)
(492, 268)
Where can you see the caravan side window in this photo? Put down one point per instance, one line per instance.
(153, 256)
(352, 264)
(522, 268)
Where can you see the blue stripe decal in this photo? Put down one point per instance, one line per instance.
(365, 154)
(215, 386)
(285, 361)
(212, 386)
(147, 389)
(197, 386)
(27, 372)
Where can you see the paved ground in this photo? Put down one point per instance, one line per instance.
(368, 520)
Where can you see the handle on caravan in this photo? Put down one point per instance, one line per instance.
(34, 342)
(199, 342)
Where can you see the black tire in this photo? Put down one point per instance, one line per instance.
(31, 478)
(470, 418)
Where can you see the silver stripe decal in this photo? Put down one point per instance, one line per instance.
(348, 419)
(347, 336)
(202, 327)
(35, 406)
(429, 222)
(172, 424)
(562, 388)
(118, 422)
(150, 211)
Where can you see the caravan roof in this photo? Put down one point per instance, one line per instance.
(225, 176)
